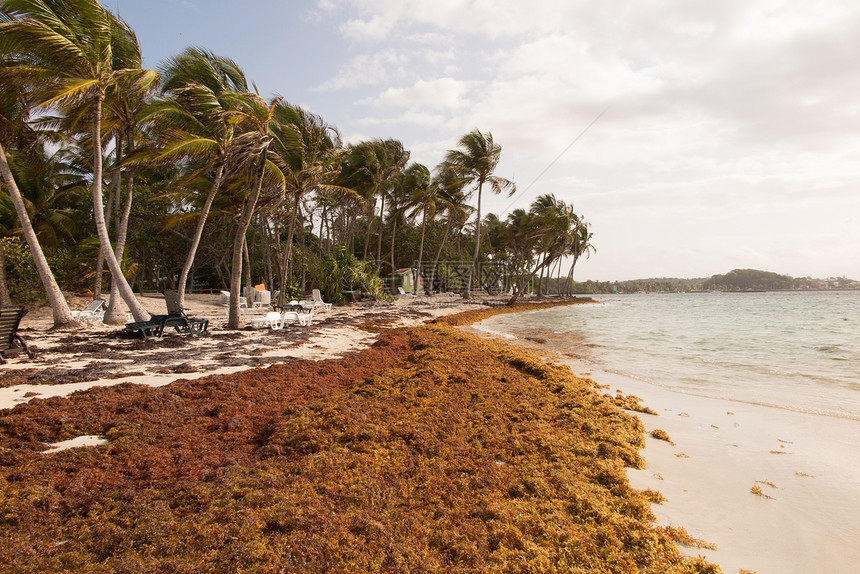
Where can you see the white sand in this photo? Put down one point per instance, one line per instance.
(77, 442)
(260, 347)
(811, 523)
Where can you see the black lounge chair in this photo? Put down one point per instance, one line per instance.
(176, 318)
(11, 342)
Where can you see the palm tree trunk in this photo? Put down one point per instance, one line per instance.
(468, 292)
(114, 191)
(246, 270)
(393, 243)
(570, 277)
(239, 241)
(60, 309)
(379, 239)
(113, 316)
(140, 314)
(288, 253)
(304, 256)
(370, 217)
(5, 300)
(417, 273)
(198, 233)
(439, 254)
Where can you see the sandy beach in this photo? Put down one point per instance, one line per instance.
(799, 464)
(98, 355)
(421, 445)
(806, 516)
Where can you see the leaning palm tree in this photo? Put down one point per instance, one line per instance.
(371, 169)
(581, 245)
(13, 128)
(257, 117)
(62, 315)
(452, 204)
(195, 120)
(67, 47)
(307, 151)
(423, 201)
(475, 160)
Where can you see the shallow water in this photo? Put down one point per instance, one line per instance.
(798, 350)
(713, 365)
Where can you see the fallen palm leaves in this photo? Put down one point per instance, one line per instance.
(435, 451)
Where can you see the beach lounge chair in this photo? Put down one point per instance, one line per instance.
(92, 312)
(272, 319)
(175, 318)
(262, 299)
(11, 342)
(300, 316)
(316, 297)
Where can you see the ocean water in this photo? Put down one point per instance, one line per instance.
(798, 351)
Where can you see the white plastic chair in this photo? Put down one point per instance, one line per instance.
(272, 319)
(262, 298)
(92, 312)
(318, 300)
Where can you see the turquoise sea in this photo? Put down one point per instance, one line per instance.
(791, 350)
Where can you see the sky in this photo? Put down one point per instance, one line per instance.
(694, 136)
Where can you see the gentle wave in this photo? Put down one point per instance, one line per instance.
(796, 351)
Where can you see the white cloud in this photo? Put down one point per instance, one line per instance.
(365, 69)
(724, 117)
(445, 93)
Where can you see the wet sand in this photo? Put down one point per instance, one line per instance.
(806, 464)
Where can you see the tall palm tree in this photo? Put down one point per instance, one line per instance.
(257, 116)
(371, 169)
(308, 151)
(476, 160)
(68, 46)
(124, 105)
(195, 120)
(13, 129)
(581, 245)
(452, 205)
(424, 202)
(402, 194)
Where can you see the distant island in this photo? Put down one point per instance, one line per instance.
(737, 280)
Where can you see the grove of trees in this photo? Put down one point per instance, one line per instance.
(120, 178)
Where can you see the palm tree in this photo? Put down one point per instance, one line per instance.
(553, 226)
(402, 193)
(194, 120)
(423, 201)
(15, 110)
(124, 104)
(581, 245)
(62, 315)
(68, 46)
(371, 169)
(257, 115)
(475, 161)
(452, 204)
(308, 151)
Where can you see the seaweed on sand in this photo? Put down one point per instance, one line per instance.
(434, 451)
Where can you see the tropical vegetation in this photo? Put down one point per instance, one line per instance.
(120, 178)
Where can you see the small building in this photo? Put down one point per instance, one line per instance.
(405, 277)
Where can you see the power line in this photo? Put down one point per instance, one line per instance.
(558, 157)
